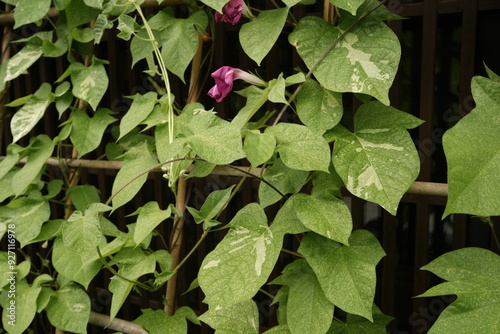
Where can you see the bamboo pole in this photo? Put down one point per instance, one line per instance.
(418, 187)
(182, 197)
(116, 324)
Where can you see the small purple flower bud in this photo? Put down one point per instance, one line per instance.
(231, 12)
(224, 78)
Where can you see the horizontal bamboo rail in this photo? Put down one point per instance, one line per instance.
(8, 18)
(418, 187)
(116, 324)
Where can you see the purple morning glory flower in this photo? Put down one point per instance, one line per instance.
(224, 78)
(231, 12)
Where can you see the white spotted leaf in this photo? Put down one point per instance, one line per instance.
(24, 307)
(40, 149)
(25, 119)
(69, 309)
(22, 60)
(89, 83)
(242, 317)
(348, 67)
(241, 263)
(377, 163)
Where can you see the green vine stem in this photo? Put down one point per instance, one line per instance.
(163, 72)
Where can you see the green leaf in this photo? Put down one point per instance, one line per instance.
(69, 309)
(308, 309)
(218, 141)
(256, 98)
(40, 150)
(277, 91)
(28, 11)
(242, 317)
(286, 180)
(53, 188)
(135, 161)
(86, 133)
(346, 273)
(48, 231)
(201, 169)
(354, 69)
(21, 308)
(82, 233)
(83, 195)
(78, 13)
(43, 298)
(150, 216)
(73, 265)
(157, 321)
(350, 5)
(376, 164)
(301, 148)
(258, 36)
(212, 207)
(280, 329)
(215, 4)
(13, 156)
(127, 27)
(319, 108)
(25, 119)
(473, 154)
(291, 3)
(100, 26)
(326, 183)
(241, 263)
(89, 83)
(181, 41)
(62, 88)
(327, 216)
(64, 102)
(82, 35)
(6, 190)
(492, 75)
(286, 220)
(359, 325)
(94, 3)
(133, 263)
(140, 109)
(28, 215)
(22, 60)
(472, 275)
(375, 115)
(259, 147)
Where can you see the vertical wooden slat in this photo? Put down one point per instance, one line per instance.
(389, 243)
(427, 79)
